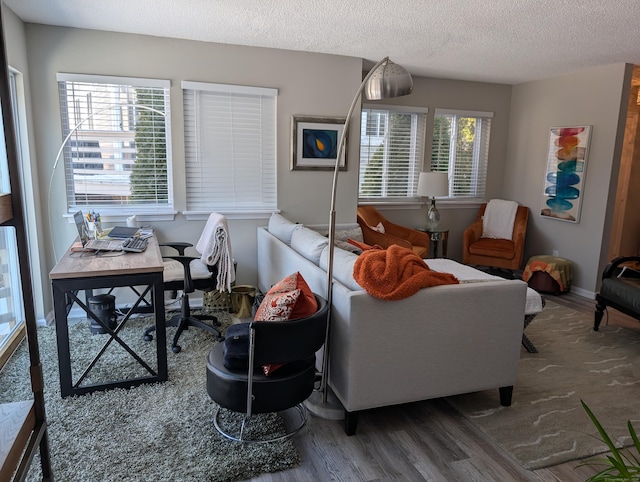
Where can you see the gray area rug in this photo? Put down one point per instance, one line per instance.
(160, 431)
(546, 424)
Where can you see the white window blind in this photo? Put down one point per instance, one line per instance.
(230, 148)
(391, 152)
(461, 148)
(118, 153)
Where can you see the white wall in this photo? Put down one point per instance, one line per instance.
(596, 97)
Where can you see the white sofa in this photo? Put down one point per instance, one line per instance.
(442, 341)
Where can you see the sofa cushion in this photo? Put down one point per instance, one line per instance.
(495, 248)
(282, 228)
(342, 266)
(308, 243)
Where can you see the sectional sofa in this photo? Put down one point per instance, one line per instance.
(442, 341)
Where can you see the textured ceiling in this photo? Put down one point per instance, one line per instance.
(503, 41)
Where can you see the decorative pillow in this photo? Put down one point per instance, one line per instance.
(344, 234)
(277, 306)
(282, 228)
(289, 299)
(306, 304)
(361, 245)
(378, 227)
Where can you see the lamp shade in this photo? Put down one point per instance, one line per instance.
(387, 81)
(433, 184)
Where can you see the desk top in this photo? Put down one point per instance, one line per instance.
(87, 264)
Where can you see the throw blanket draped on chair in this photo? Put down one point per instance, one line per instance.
(498, 219)
(396, 273)
(215, 247)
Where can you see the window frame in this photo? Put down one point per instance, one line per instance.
(418, 144)
(115, 211)
(204, 105)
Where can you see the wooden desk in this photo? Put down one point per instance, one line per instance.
(86, 271)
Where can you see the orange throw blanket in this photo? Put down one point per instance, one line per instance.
(396, 273)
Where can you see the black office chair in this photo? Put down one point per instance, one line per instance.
(188, 273)
(250, 391)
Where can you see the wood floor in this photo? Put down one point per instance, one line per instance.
(421, 441)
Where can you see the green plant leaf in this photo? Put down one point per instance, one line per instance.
(622, 465)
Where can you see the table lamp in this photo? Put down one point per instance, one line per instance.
(433, 184)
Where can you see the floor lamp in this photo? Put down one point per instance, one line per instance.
(385, 80)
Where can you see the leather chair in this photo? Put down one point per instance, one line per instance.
(491, 252)
(620, 289)
(369, 217)
(187, 274)
(250, 391)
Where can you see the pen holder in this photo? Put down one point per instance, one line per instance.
(95, 229)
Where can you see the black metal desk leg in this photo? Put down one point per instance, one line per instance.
(161, 332)
(62, 335)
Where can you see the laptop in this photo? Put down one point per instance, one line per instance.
(94, 244)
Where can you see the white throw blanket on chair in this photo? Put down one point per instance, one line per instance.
(215, 247)
(498, 219)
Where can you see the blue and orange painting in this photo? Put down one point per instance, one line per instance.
(565, 172)
(319, 143)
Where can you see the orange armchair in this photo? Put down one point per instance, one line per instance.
(369, 217)
(491, 252)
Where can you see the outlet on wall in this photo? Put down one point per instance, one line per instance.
(556, 252)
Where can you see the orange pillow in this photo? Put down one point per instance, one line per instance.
(361, 245)
(289, 299)
(304, 305)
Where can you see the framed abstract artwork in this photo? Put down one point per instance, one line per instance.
(565, 174)
(314, 143)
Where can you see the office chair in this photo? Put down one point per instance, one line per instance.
(249, 391)
(188, 273)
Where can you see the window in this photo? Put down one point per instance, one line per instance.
(117, 149)
(391, 152)
(12, 317)
(230, 148)
(461, 148)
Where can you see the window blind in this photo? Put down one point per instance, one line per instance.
(117, 151)
(230, 148)
(391, 152)
(461, 148)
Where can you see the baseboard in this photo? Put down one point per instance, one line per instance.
(584, 293)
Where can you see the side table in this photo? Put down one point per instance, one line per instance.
(435, 236)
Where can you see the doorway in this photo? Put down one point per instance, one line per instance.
(625, 231)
